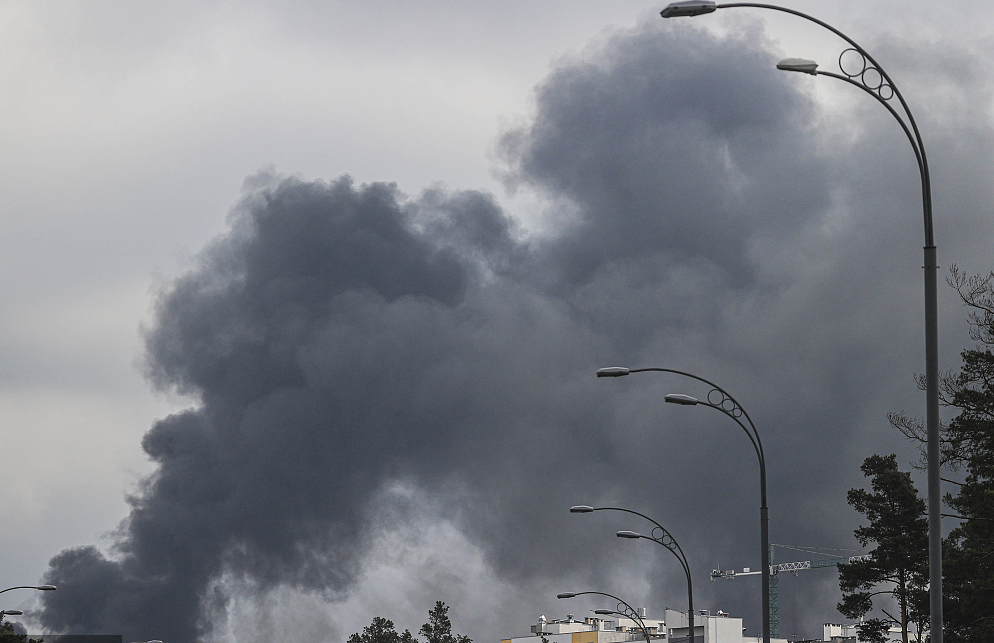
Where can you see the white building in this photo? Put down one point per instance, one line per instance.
(708, 628)
(838, 633)
(592, 629)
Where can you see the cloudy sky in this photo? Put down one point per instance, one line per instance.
(304, 301)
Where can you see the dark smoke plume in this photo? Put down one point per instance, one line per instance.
(342, 336)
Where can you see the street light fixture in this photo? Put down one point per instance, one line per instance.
(679, 398)
(9, 613)
(624, 609)
(883, 92)
(719, 399)
(663, 538)
(802, 65)
(688, 8)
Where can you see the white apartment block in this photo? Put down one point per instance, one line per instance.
(672, 628)
(838, 633)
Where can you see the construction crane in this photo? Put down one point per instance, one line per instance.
(775, 569)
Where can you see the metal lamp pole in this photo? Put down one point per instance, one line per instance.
(883, 91)
(663, 538)
(719, 399)
(624, 609)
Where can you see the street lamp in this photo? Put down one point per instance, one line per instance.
(44, 588)
(687, 8)
(883, 91)
(663, 538)
(624, 609)
(719, 399)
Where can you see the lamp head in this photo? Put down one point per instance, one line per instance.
(687, 8)
(566, 595)
(46, 588)
(580, 509)
(604, 612)
(628, 534)
(679, 398)
(613, 371)
(10, 612)
(802, 65)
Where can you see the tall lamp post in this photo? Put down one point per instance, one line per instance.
(720, 400)
(624, 609)
(663, 538)
(864, 77)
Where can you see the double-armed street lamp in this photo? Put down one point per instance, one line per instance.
(720, 400)
(623, 609)
(870, 77)
(660, 536)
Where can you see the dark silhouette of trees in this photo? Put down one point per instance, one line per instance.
(438, 629)
(898, 563)
(8, 634)
(968, 446)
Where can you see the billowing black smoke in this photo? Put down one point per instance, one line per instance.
(342, 336)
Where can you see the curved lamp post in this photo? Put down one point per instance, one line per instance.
(624, 609)
(663, 538)
(719, 399)
(869, 76)
(44, 588)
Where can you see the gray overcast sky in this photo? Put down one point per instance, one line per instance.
(129, 131)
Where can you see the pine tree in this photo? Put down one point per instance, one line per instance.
(381, 630)
(8, 634)
(968, 445)
(438, 629)
(898, 563)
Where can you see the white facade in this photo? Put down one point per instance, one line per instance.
(673, 628)
(709, 628)
(592, 629)
(612, 623)
(838, 633)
